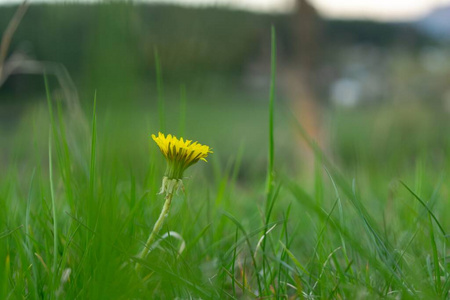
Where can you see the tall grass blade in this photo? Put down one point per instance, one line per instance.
(65, 157)
(93, 149)
(426, 207)
(50, 170)
(52, 196)
(160, 91)
(270, 174)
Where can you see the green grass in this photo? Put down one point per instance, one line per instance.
(78, 201)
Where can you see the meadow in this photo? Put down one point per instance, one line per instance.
(79, 197)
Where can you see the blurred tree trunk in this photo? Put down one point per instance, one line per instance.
(297, 74)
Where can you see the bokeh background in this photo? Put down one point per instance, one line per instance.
(368, 82)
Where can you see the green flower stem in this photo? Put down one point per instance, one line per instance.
(159, 223)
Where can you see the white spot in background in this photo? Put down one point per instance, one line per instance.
(346, 92)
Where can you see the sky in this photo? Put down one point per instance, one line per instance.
(383, 10)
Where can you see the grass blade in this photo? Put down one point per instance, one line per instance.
(270, 174)
(159, 88)
(52, 196)
(93, 149)
(426, 207)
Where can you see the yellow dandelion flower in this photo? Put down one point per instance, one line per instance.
(180, 154)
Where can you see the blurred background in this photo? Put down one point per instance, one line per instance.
(368, 81)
